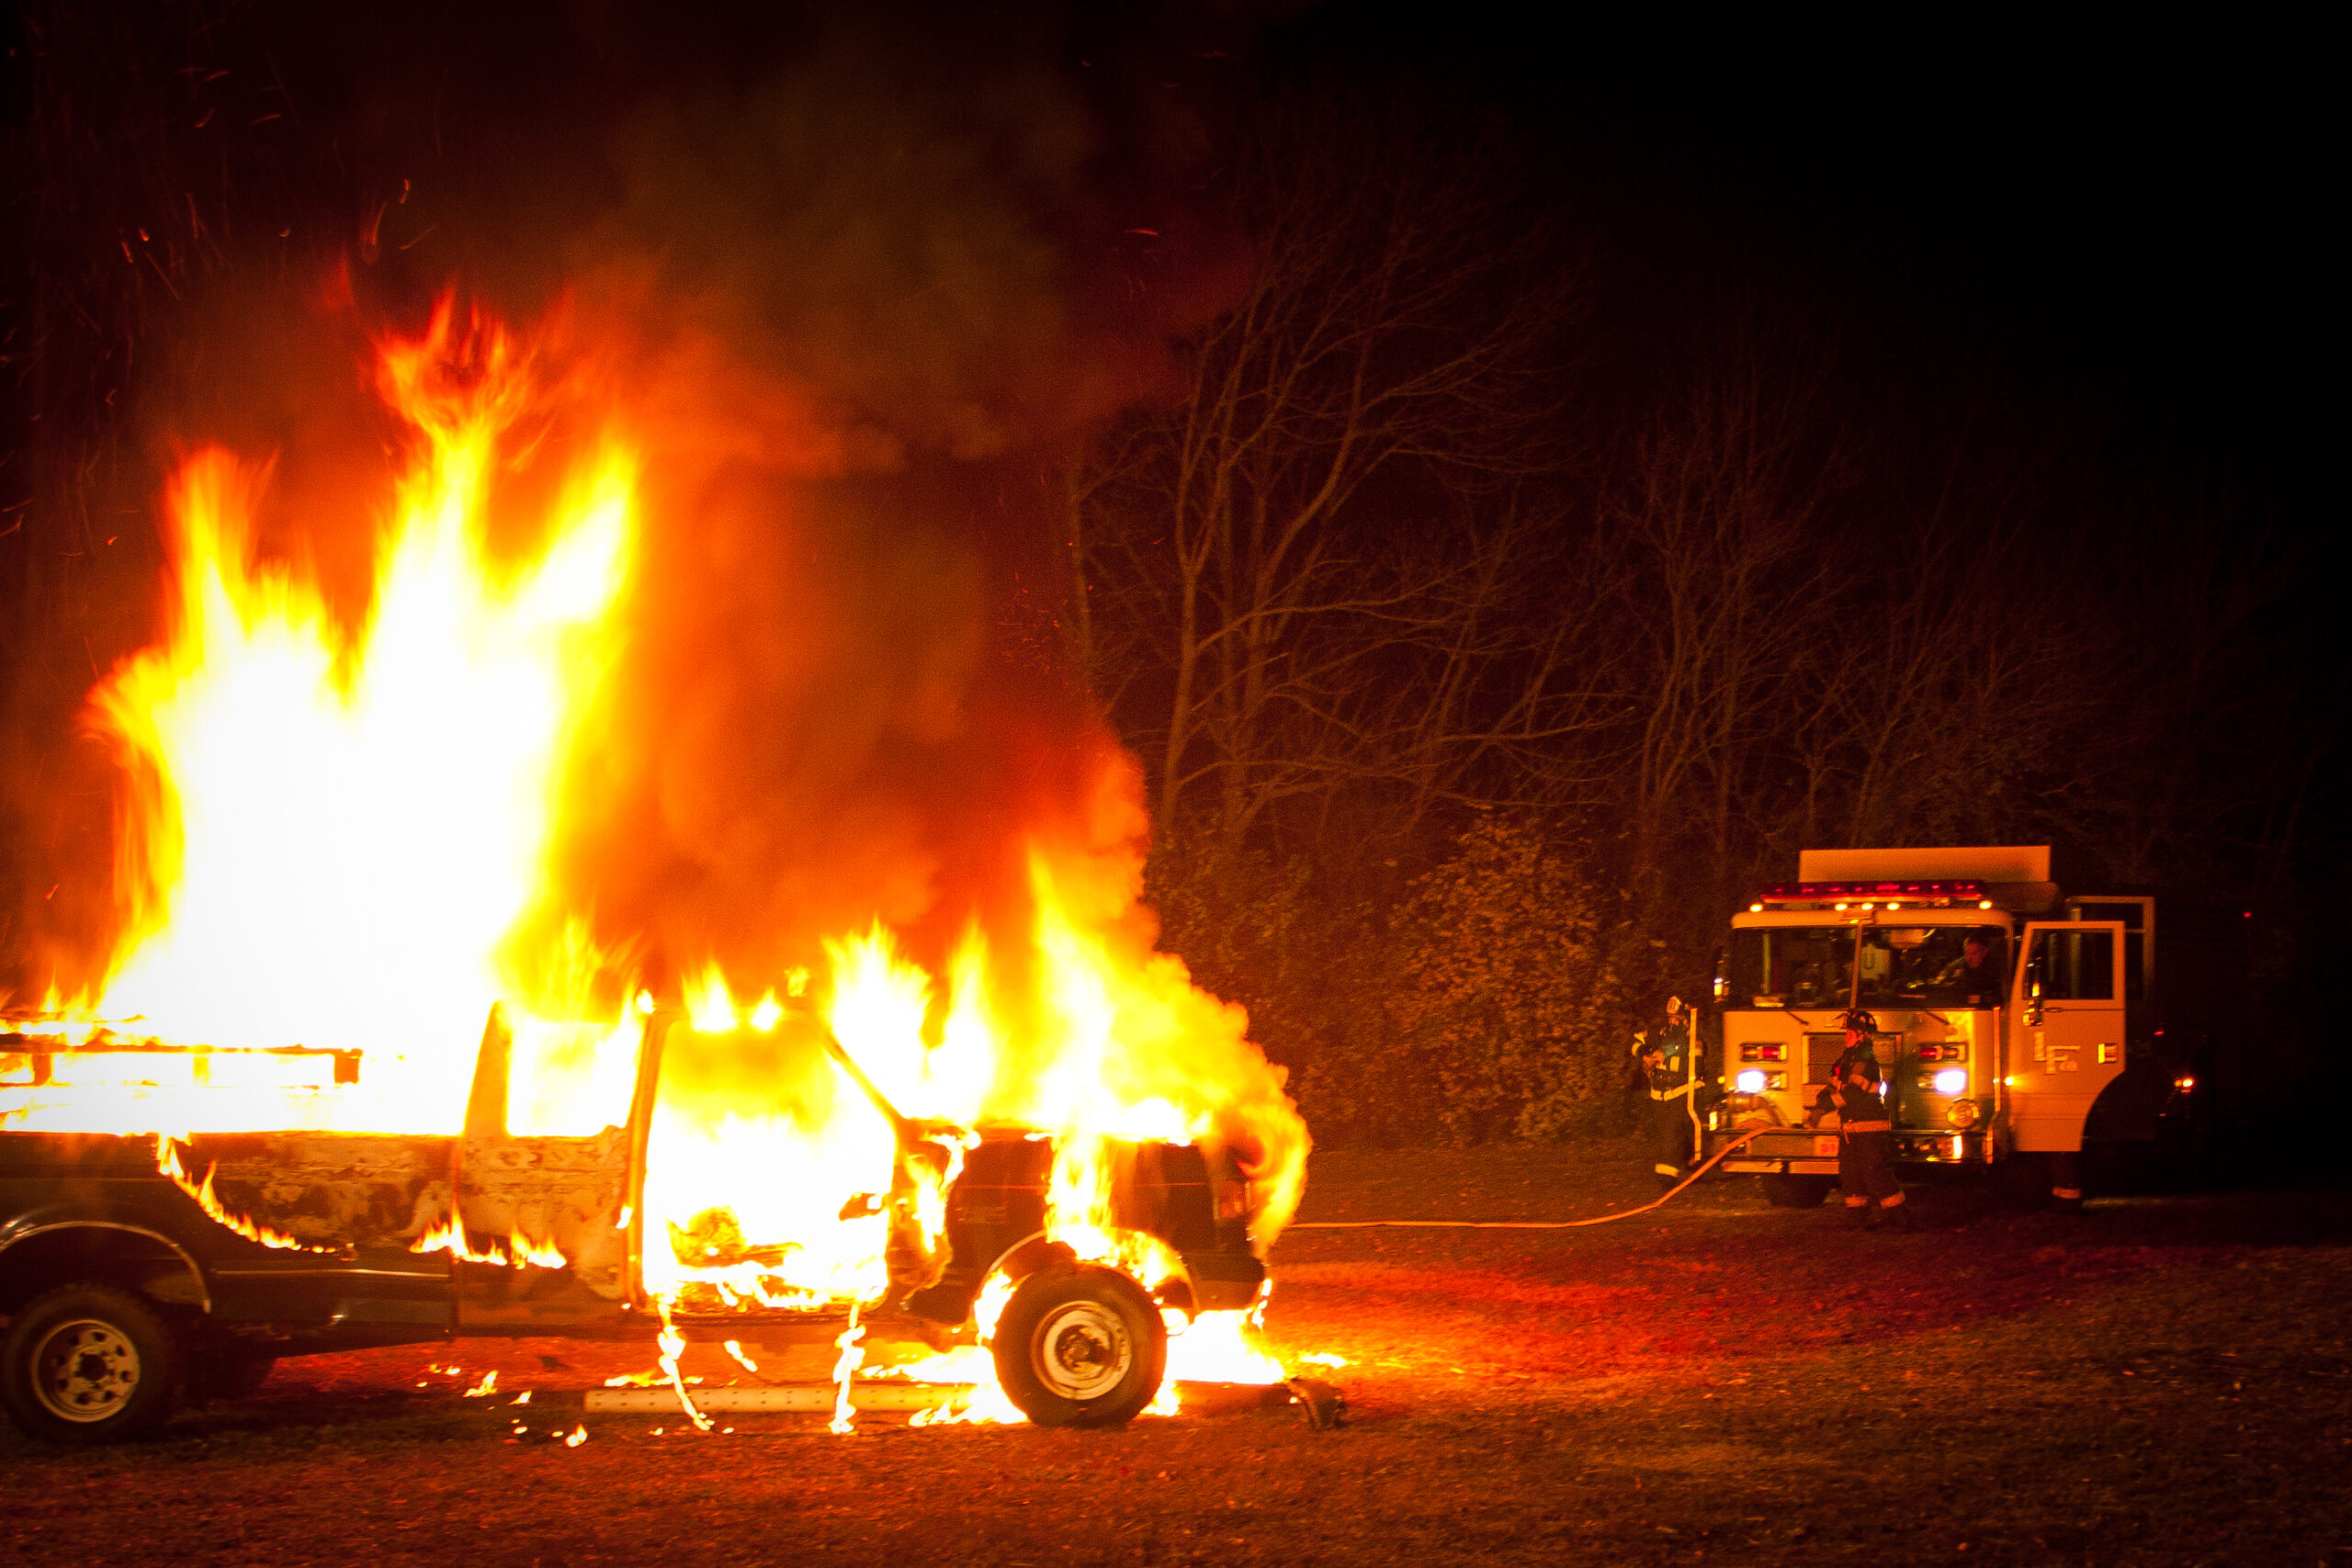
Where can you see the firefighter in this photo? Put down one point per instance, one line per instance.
(1865, 1131)
(1670, 1073)
(1976, 975)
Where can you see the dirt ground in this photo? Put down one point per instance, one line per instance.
(2165, 1378)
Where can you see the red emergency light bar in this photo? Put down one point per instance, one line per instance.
(1818, 892)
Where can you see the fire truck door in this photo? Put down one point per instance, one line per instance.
(2068, 1039)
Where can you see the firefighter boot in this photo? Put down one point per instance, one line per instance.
(1895, 1216)
(1858, 1216)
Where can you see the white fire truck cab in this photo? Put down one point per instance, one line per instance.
(2006, 1016)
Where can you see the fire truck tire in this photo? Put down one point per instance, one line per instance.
(89, 1363)
(1079, 1345)
(1797, 1192)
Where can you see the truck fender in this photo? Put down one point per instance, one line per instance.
(2127, 1110)
(153, 1209)
(16, 1237)
(1036, 1251)
(1025, 1257)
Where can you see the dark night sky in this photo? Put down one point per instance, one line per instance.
(2130, 214)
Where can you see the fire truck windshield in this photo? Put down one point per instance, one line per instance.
(1812, 967)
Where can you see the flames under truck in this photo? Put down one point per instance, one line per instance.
(2011, 1022)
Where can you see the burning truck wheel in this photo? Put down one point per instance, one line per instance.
(1081, 1345)
(89, 1363)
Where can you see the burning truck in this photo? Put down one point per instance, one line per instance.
(128, 1280)
(1032, 1166)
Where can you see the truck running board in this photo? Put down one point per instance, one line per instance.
(811, 1396)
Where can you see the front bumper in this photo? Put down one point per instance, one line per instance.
(1798, 1151)
(1944, 1148)
(1784, 1151)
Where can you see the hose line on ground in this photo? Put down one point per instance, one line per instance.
(1736, 1144)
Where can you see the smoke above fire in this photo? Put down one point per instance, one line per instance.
(874, 303)
(846, 324)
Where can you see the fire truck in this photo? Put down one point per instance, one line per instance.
(2011, 1021)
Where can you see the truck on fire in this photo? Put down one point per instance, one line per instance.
(2011, 1022)
(138, 1269)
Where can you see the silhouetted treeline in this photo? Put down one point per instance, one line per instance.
(1487, 650)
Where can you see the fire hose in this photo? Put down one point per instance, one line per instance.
(1716, 1159)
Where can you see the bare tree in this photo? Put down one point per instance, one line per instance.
(1725, 518)
(1313, 599)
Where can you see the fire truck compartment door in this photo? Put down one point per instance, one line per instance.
(2067, 1039)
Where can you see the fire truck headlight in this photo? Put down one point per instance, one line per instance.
(1751, 1081)
(1964, 1114)
(1952, 1080)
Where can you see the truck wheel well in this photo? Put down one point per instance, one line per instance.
(102, 1253)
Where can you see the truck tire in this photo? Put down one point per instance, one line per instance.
(89, 1363)
(1079, 1345)
(1797, 1192)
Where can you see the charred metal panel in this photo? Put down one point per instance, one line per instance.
(1014, 1161)
(1163, 1189)
(997, 1201)
(361, 1190)
(569, 1193)
(566, 1192)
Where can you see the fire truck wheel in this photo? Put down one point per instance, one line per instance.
(1079, 1345)
(89, 1363)
(1797, 1192)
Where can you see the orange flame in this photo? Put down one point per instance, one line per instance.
(327, 834)
(516, 1251)
(337, 828)
(167, 1161)
(853, 1356)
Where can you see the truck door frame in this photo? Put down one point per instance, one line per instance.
(2063, 1050)
(497, 1176)
(2141, 932)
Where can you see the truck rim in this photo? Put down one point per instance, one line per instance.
(1081, 1350)
(84, 1370)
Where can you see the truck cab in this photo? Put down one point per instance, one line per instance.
(2007, 1018)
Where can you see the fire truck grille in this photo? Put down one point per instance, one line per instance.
(1821, 1054)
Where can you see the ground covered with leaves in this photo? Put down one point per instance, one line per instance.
(2164, 1377)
